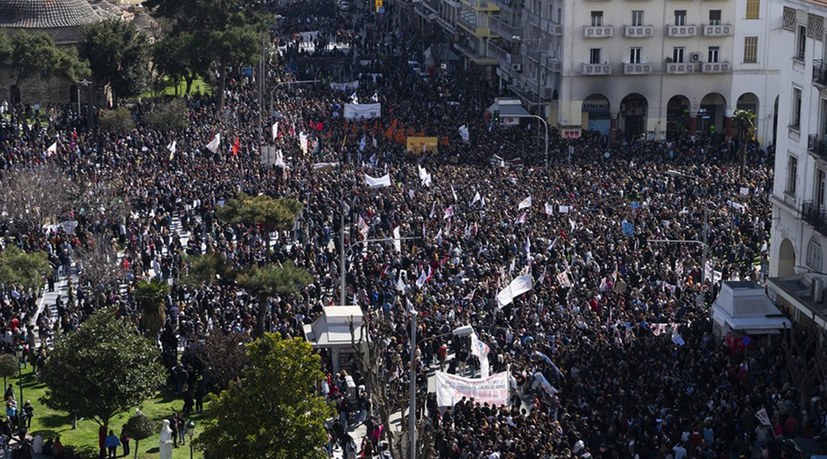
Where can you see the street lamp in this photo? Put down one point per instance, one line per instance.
(544, 124)
(674, 173)
(190, 432)
(85, 83)
(20, 356)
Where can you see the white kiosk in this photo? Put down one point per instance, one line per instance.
(332, 330)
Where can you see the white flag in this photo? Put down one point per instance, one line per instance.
(553, 243)
(215, 142)
(381, 182)
(397, 241)
(517, 287)
(477, 197)
(363, 228)
(463, 133)
(449, 212)
(275, 130)
(525, 203)
(172, 147)
(527, 246)
(375, 97)
(432, 214)
(303, 143)
(480, 350)
(454, 193)
(763, 417)
(549, 209)
(52, 150)
(520, 220)
(400, 285)
(420, 281)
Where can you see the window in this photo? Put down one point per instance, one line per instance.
(821, 189)
(637, 18)
(594, 56)
(714, 17)
(752, 9)
(750, 50)
(814, 255)
(597, 18)
(634, 56)
(680, 17)
(712, 56)
(677, 54)
(801, 42)
(792, 175)
(795, 116)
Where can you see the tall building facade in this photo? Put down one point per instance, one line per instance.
(799, 196)
(626, 68)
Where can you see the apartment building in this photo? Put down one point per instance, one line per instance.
(799, 196)
(626, 68)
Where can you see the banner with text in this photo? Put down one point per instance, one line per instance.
(451, 388)
(362, 111)
(421, 144)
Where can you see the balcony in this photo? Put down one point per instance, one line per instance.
(720, 30)
(597, 69)
(684, 31)
(553, 64)
(638, 31)
(715, 67)
(811, 214)
(432, 6)
(597, 32)
(680, 68)
(482, 5)
(820, 72)
(817, 146)
(637, 69)
(503, 29)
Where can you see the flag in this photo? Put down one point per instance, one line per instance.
(525, 203)
(449, 212)
(420, 281)
(542, 276)
(214, 142)
(676, 337)
(453, 192)
(375, 97)
(438, 237)
(527, 246)
(553, 243)
(363, 228)
(397, 241)
(520, 220)
(280, 160)
(275, 130)
(543, 382)
(52, 150)
(470, 296)
(477, 197)
(236, 147)
(399, 284)
(480, 350)
(763, 417)
(362, 143)
(303, 144)
(563, 280)
(381, 182)
(549, 209)
(517, 287)
(354, 98)
(463, 133)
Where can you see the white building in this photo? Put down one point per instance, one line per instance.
(632, 67)
(799, 199)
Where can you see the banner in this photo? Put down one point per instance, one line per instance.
(463, 133)
(492, 390)
(480, 350)
(325, 166)
(303, 142)
(397, 240)
(381, 182)
(524, 204)
(345, 87)
(362, 111)
(421, 144)
(517, 287)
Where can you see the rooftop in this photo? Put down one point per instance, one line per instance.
(46, 14)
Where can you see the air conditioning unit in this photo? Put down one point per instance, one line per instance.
(517, 67)
(694, 57)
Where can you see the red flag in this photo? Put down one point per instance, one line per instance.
(236, 146)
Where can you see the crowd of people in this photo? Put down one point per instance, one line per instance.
(591, 324)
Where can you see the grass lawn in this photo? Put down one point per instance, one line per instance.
(199, 86)
(50, 423)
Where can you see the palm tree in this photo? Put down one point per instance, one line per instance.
(744, 121)
(150, 296)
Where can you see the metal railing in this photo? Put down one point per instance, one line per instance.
(817, 145)
(811, 214)
(820, 72)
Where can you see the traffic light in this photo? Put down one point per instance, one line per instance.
(496, 116)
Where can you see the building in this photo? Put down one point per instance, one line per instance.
(799, 196)
(628, 68)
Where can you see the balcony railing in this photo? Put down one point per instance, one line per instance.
(680, 67)
(681, 31)
(638, 31)
(503, 29)
(597, 31)
(534, 54)
(637, 69)
(811, 214)
(817, 146)
(819, 72)
(718, 30)
(715, 67)
(597, 69)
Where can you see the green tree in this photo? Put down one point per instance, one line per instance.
(262, 211)
(5, 46)
(274, 411)
(9, 366)
(118, 121)
(171, 116)
(139, 427)
(225, 358)
(151, 298)
(263, 283)
(24, 269)
(209, 268)
(118, 54)
(744, 121)
(101, 369)
(37, 54)
(177, 55)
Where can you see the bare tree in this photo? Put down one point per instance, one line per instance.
(102, 199)
(805, 357)
(32, 197)
(98, 263)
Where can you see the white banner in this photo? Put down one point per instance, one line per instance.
(397, 241)
(480, 349)
(381, 182)
(345, 87)
(517, 287)
(362, 111)
(325, 166)
(451, 388)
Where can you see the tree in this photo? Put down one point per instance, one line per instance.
(151, 296)
(5, 47)
(118, 54)
(263, 283)
(9, 366)
(225, 358)
(177, 56)
(172, 116)
(744, 121)
(208, 268)
(139, 427)
(24, 269)
(98, 261)
(118, 120)
(101, 369)
(262, 211)
(274, 411)
(30, 198)
(37, 54)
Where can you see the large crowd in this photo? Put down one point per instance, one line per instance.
(589, 324)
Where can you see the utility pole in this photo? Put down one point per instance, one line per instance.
(412, 389)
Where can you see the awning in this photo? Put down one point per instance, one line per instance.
(509, 110)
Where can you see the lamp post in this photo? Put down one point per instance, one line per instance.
(191, 433)
(675, 173)
(544, 124)
(85, 83)
(20, 357)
